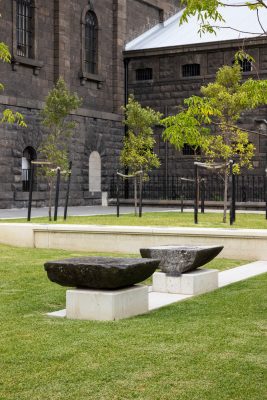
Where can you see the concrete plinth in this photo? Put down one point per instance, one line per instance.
(191, 283)
(106, 305)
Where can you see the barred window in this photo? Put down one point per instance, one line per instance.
(24, 28)
(245, 65)
(190, 70)
(144, 74)
(91, 28)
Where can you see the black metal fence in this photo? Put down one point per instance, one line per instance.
(249, 188)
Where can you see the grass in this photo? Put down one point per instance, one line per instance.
(207, 348)
(170, 219)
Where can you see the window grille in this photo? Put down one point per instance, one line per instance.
(144, 74)
(29, 154)
(190, 70)
(24, 28)
(190, 151)
(246, 65)
(91, 27)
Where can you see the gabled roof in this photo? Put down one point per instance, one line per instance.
(171, 33)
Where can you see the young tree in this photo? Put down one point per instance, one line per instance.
(207, 13)
(9, 116)
(137, 154)
(56, 118)
(211, 122)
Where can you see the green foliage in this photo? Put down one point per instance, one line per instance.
(4, 53)
(9, 116)
(13, 118)
(207, 11)
(58, 106)
(137, 153)
(204, 10)
(222, 103)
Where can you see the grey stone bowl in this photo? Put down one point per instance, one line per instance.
(100, 272)
(176, 260)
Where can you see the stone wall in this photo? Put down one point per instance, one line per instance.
(167, 90)
(58, 44)
(102, 134)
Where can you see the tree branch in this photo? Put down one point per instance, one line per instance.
(237, 127)
(238, 30)
(240, 5)
(258, 17)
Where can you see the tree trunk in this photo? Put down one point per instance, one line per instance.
(135, 195)
(225, 197)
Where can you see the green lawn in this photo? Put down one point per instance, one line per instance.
(207, 348)
(207, 220)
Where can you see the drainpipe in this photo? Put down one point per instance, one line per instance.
(126, 96)
(126, 80)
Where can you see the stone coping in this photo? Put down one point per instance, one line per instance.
(219, 232)
(144, 230)
(247, 244)
(127, 228)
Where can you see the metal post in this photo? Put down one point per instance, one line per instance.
(57, 193)
(68, 191)
(231, 193)
(234, 197)
(140, 194)
(265, 193)
(182, 196)
(196, 195)
(118, 198)
(30, 192)
(202, 191)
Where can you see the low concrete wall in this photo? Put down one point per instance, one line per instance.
(21, 235)
(250, 244)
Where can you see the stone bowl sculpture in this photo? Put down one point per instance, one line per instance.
(100, 272)
(176, 260)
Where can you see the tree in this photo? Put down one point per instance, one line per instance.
(207, 12)
(211, 122)
(137, 154)
(55, 117)
(8, 115)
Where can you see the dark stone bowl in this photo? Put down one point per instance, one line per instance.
(100, 272)
(176, 260)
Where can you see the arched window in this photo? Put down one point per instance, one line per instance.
(24, 28)
(29, 154)
(91, 39)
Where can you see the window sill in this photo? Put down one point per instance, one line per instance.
(86, 76)
(29, 62)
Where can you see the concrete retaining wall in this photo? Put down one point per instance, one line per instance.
(250, 244)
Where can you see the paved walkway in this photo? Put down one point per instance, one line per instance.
(158, 300)
(96, 210)
(75, 211)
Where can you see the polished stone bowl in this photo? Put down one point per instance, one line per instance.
(176, 260)
(100, 272)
